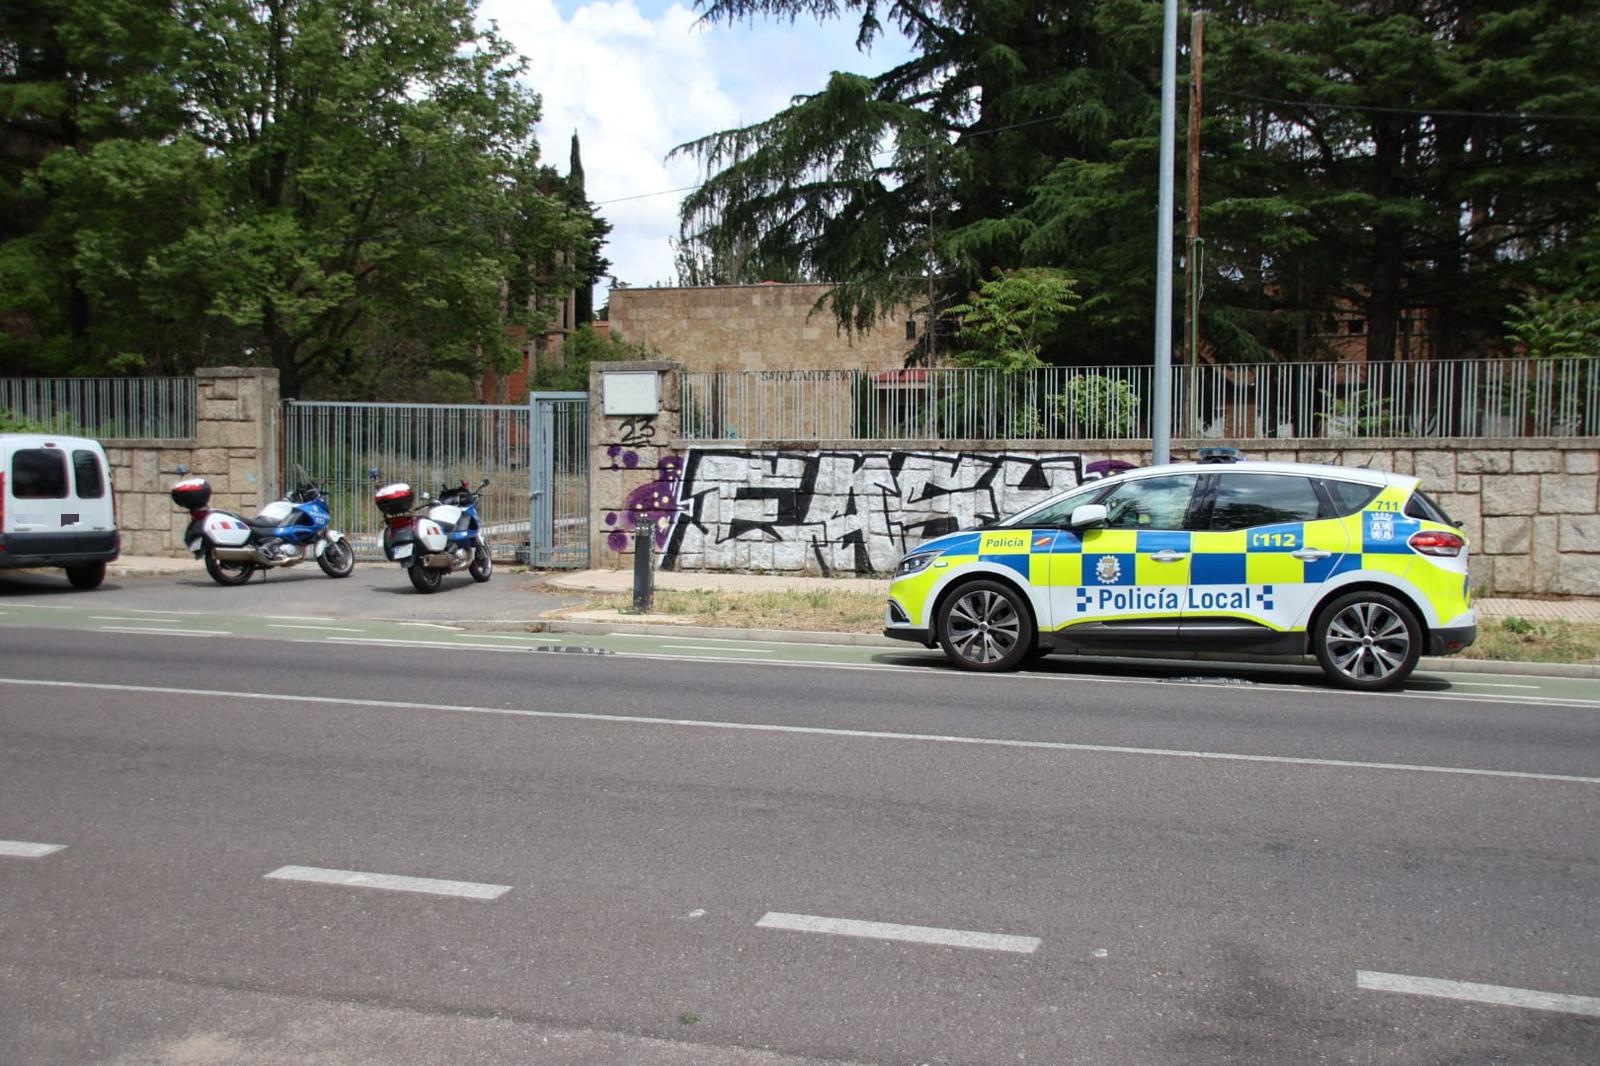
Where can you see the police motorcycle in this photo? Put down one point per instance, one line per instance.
(435, 538)
(284, 533)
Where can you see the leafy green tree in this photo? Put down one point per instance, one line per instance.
(587, 261)
(581, 349)
(1005, 323)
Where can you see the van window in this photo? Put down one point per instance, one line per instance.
(39, 474)
(86, 475)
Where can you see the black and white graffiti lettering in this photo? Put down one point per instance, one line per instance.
(636, 432)
(833, 512)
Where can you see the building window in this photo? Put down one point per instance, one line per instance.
(911, 330)
(1356, 326)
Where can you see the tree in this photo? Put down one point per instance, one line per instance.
(586, 258)
(582, 348)
(1006, 321)
(336, 181)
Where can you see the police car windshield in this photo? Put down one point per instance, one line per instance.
(1053, 512)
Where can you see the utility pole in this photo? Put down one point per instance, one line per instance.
(1192, 258)
(933, 311)
(1161, 413)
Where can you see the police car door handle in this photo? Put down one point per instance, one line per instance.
(1310, 555)
(1167, 555)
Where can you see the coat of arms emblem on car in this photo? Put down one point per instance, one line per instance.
(1108, 569)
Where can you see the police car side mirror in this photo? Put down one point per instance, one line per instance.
(1088, 514)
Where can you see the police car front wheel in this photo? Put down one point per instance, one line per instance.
(985, 626)
(1367, 640)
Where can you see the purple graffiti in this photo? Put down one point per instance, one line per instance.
(650, 506)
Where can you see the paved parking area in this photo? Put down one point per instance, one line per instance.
(375, 590)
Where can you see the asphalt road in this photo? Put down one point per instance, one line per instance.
(641, 846)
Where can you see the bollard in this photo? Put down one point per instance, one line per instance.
(644, 578)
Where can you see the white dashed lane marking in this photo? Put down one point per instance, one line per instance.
(392, 882)
(1471, 992)
(22, 849)
(919, 934)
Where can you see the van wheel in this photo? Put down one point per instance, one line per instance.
(1368, 641)
(224, 573)
(86, 575)
(985, 626)
(424, 578)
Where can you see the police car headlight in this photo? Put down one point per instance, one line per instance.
(914, 563)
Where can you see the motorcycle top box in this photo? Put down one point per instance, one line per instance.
(192, 494)
(396, 499)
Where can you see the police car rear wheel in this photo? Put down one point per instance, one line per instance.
(985, 626)
(1367, 640)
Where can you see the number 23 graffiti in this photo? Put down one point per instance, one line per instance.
(637, 431)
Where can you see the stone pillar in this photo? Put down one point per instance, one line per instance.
(635, 466)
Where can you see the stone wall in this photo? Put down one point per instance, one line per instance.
(752, 327)
(234, 448)
(1528, 506)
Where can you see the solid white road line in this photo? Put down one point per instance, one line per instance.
(22, 849)
(125, 618)
(920, 934)
(298, 618)
(392, 882)
(1498, 995)
(40, 606)
(720, 648)
(164, 632)
(324, 629)
(815, 731)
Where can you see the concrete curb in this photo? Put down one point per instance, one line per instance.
(1431, 664)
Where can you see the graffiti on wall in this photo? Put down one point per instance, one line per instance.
(827, 512)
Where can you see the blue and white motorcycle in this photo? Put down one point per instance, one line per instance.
(439, 537)
(285, 532)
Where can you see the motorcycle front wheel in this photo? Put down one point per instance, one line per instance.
(227, 573)
(338, 559)
(425, 579)
(482, 566)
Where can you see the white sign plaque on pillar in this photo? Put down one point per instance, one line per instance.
(631, 392)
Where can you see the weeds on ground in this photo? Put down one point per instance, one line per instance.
(1516, 639)
(819, 610)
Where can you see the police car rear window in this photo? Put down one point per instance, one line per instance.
(1420, 506)
(1349, 496)
(39, 474)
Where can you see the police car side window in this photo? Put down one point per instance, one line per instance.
(1150, 502)
(1245, 500)
(1057, 513)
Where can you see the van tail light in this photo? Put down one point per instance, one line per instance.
(1437, 542)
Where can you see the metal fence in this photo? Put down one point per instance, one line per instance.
(426, 445)
(560, 493)
(1465, 398)
(106, 408)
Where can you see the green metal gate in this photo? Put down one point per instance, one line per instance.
(558, 458)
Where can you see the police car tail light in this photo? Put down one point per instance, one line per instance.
(1437, 542)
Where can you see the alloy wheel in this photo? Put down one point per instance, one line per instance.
(984, 626)
(1368, 642)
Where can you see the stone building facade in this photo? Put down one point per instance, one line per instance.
(769, 326)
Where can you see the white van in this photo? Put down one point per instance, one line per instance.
(57, 506)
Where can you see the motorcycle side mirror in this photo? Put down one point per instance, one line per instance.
(482, 483)
(182, 470)
(372, 472)
(427, 495)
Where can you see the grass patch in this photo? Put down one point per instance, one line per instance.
(1519, 640)
(823, 610)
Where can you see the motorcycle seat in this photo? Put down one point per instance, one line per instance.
(262, 525)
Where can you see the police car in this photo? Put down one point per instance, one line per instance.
(1251, 559)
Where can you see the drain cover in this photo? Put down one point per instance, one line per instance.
(1207, 681)
(575, 649)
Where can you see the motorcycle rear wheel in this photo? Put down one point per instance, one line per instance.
(338, 559)
(229, 574)
(424, 578)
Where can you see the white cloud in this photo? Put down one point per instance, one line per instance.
(633, 86)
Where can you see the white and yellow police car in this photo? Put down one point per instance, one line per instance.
(1250, 559)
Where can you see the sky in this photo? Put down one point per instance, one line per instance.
(635, 79)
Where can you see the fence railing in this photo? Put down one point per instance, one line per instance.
(107, 408)
(1465, 398)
